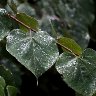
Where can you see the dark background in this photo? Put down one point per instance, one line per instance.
(51, 83)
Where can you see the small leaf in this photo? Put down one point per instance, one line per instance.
(7, 75)
(2, 91)
(28, 21)
(2, 82)
(79, 72)
(2, 86)
(37, 53)
(12, 91)
(70, 44)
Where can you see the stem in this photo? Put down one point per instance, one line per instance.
(68, 49)
(14, 18)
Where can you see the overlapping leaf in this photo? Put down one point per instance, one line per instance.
(79, 72)
(2, 82)
(6, 79)
(2, 91)
(7, 75)
(6, 24)
(2, 86)
(28, 21)
(11, 91)
(70, 44)
(37, 53)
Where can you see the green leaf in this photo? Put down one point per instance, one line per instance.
(2, 82)
(37, 53)
(7, 75)
(6, 24)
(70, 44)
(12, 91)
(3, 31)
(2, 86)
(79, 72)
(2, 91)
(28, 21)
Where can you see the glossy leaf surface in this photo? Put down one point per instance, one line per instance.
(79, 72)
(37, 53)
(6, 24)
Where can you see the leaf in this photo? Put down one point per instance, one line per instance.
(2, 91)
(70, 44)
(12, 91)
(28, 21)
(2, 86)
(3, 31)
(2, 82)
(6, 24)
(79, 72)
(7, 75)
(37, 53)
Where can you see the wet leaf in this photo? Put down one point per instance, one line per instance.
(6, 24)
(70, 44)
(28, 21)
(12, 91)
(79, 72)
(37, 53)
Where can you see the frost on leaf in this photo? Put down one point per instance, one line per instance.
(79, 72)
(37, 53)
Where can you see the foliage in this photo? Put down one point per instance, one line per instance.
(39, 41)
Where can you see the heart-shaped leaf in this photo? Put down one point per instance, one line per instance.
(79, 72)
(37, 53)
